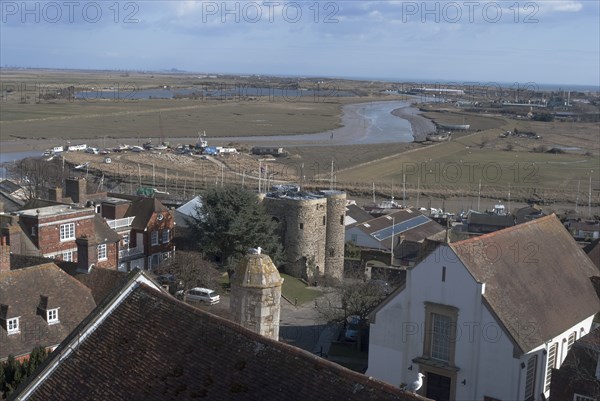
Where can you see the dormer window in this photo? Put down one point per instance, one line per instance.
(12, 326)
(52, 316)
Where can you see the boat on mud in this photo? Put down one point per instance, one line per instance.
(443, 137)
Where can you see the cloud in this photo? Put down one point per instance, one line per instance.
(561, 6)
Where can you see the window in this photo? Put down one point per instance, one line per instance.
(33, 231)
(354, 238)
(530, 378)
(12, 325)
(52, 316)
(102, 252)
(440, 332)
(165, 236)
(67, 231)
(342, 219)
(440, 337)
(324, 220)
(551, 364)
(571, 340)
(67, 256)
(154, 238)
(126, 240)
(579, 397)
(302, 226)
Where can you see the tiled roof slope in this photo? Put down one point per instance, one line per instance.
(142, 209)
(153, 347)
(21, 289)
(100, 281)
(103, 233)
(537, 279)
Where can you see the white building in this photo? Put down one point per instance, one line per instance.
(487, 318)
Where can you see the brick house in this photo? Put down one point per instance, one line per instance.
(145, 227)
(39, 306)
(62, 232)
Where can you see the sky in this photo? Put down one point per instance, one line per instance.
(544, 42)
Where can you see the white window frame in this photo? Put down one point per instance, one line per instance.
(67, 232)
(52, 316)
(551, 363)
(126, 240)
(571, 340)
(13, 326)
(154, 238)
(166, 236)
(102, 250)
(67, 256)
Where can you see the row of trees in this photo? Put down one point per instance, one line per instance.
(13, 372)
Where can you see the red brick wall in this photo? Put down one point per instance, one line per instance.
(47, 238)
(168, 222)
(112, 252)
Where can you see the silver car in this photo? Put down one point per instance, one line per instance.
(202, 295)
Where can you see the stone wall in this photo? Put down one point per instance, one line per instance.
(302, 224)
(335, 233)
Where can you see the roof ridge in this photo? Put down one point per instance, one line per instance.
(294, 351)
(503, 231)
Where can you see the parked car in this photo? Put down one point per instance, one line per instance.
(166, 279)
(200, 295)
(351, 332)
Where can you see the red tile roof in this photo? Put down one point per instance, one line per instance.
(153, 347)
(21, 291)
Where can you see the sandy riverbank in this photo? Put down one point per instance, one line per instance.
(421, 126)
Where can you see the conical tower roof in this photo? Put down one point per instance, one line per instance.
(256, 271)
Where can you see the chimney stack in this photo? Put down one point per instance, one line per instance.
(55, 194)
(4, 255)
(76, 189)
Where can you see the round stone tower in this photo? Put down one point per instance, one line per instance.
(256, 295)
(335, 233)
(302, 221)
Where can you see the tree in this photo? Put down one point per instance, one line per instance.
(37, 175)
(351, 298)
(191, 270)
(13, 373)
(230, 221)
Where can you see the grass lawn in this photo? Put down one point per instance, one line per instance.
(296, 289)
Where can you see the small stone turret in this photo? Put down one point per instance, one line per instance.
(256, 295)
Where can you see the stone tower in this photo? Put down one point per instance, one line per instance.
(256, 295)
(335, 233)
(302, 219)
